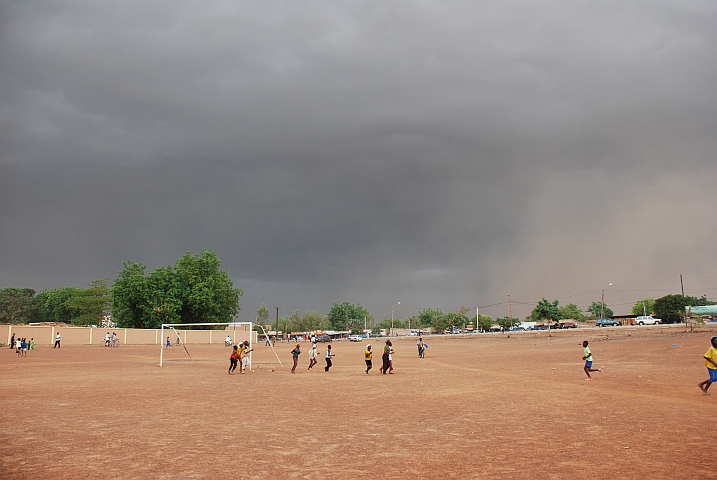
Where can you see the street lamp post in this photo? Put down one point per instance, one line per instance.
(392, 311)
(511, 309)
(602, 303)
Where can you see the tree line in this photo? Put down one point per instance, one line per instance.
(193, 290)
(355, 318)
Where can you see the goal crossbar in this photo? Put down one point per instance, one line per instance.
(173, 326)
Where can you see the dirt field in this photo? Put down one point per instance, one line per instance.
(478, 407)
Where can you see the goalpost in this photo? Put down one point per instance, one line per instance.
(235, 324)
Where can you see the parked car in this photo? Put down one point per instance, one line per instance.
(606, 322)
(648, 320)
(354, 338)
(563, 325)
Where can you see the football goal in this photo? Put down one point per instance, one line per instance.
(240, 329)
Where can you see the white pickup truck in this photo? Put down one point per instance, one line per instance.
(648, 320)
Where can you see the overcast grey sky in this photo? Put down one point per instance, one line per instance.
(440, 154)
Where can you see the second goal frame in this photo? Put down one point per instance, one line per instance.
(173, 326)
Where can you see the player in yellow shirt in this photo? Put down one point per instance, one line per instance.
(711, 364)
(369, 357)
(244, 352)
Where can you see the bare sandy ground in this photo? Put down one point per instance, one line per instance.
(484, 406)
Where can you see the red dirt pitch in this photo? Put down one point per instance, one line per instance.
(481, 406)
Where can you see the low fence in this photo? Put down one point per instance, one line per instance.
(45, 335)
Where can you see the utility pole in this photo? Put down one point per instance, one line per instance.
(602, 304)
(276, 332)
(511, 307)
(684, 312)
(392, 310)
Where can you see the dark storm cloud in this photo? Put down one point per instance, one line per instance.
(437, 153)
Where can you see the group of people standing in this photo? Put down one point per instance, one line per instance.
(21, 345)
(386, 358)
(111, 341)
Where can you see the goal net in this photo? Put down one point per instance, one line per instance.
(236, 331)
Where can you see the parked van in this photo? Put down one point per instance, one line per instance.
(648, 320)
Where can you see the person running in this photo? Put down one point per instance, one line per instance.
(369, 356)
(18, 346)
(107, 339)
(244, 356)
(328, 358)
(12, 341)
(384, 357)
(228, 341)
(57, 340)
(32, 344)
(588, 357)
(23, 345)
(295, 352)
(312, 356)
(711, 364)
(233, 360)
(169, 343)
(421, 346)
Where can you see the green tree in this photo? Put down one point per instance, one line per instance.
(432, 318)
(414, 322)
(208, 294)
(671, 308)
(355, 326)
(454, 320)
(598, 309)
(572, 312)
(546, 310)
(18, 306)
(193, 291)
(644, 306)
(386, 325)
(163, 302)
(262, 315)
(483, 322)
(295, 323)
(440, 323)
(88, 306)
(284, 326)
(507, 322)
(129, 296)
(313, 321)
(703, 301)
(341, 315)
(58, 304)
